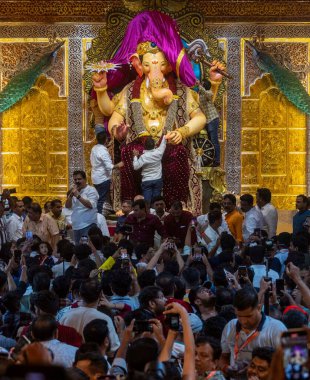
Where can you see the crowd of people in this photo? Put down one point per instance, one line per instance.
(169, 295)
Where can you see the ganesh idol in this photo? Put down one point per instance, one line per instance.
(150, 94)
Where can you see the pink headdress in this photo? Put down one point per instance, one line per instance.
(160, 29)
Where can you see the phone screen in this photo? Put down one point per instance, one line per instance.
(242, 271)
(279, 286)
(295, 354)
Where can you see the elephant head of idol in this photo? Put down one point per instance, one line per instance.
(152, 63)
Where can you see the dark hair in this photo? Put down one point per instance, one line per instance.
(256, 254)
(228, 242)
(90, 290)
(124, 243)
(284, 238)
(214, 327)
(96, 331)
(264, 353)
(148, 294)
(87, 265)
(213, 216)
(11, 301)
(191, 276)
(140, 352)
(82, 251)
(264, 194)
(227, 312)
(61, 286)
(223, 296)
(55, 201)
(27, 201)
(172, 267)
(46, 301)
(304, 198)
(44, 327)
(141, 203)
(80, 172)
(294, 319)
(215, 206)
(158, 198)
(199, 265)
(141, 249)
(41, 281)
(97, 241)
(66, 249)
(215, 344)
(36, 208)
(98, 363)
(219, 278)
(231, 197)
(180, 288)
(101, 137)
(165, 281)
(35, 269)
(149, 143)
(248, 198)
(177, 205)
(120, 282)
(192, 295)
(49, 247)
(146, 278)
(246, 298)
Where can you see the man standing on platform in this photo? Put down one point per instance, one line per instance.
(83, 201)
(14, 225)
(233, 217)
(143, 224)
(302, 214)
(253, 218)
(102, 167)
(270, 213)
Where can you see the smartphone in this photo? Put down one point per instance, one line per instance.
(295, 354)
(173, 321)
(17, 255)
(269, 279)
(242, 271)
(84, 239)
(125, 264)
(142, 326)
(29, 235)
(279, 286)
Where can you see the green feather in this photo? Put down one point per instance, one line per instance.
(286, 80)
(22, 82)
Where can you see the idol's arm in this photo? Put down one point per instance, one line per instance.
(105, 104)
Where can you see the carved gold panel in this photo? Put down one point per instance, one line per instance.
(34, 143)
(273, 144)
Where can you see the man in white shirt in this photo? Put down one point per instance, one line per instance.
(15, 222)
(79, 317)
(102, 166)
(203, 221)
(253, 218)
(212, 234)
(256, 255)
(159, 207)
(150, 162)
(270, 213)
(83, 202)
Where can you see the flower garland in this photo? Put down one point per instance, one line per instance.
(137, 107)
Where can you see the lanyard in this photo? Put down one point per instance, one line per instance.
(249, 339)
(211, 374)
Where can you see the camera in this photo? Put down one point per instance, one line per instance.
(141, 326)
(126, 229)
(84, 239)
(173, 321)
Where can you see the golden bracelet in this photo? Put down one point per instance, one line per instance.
(100, 89)
(184, 131)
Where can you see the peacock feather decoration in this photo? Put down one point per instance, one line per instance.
(22, 82)
(286, 80)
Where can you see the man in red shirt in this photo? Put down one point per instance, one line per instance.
(143, 224)
(176, 224)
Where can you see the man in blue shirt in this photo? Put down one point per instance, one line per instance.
(302, 214)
